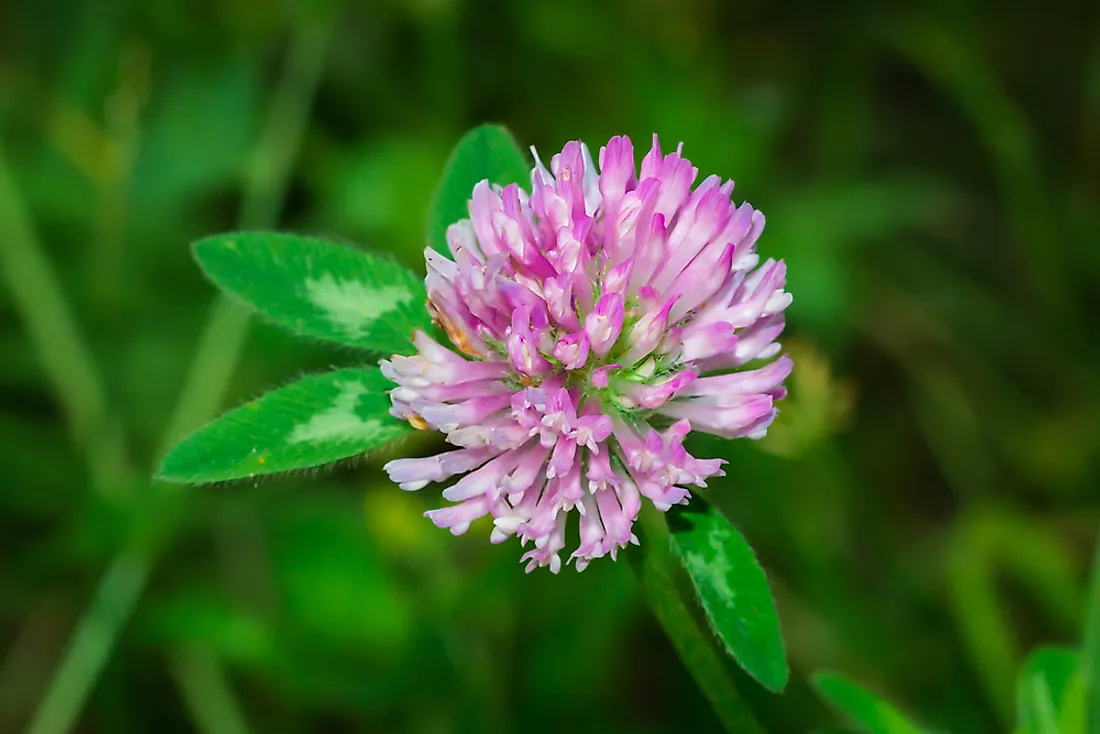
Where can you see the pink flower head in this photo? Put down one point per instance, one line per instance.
(594, 322)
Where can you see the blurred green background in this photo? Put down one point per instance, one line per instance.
(925, 505)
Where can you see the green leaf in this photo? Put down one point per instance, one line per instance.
(486, 152)
(732, 588)
(317, 420)
(1090, 659)
(658, 571)
(871, 714)
(319, 289)
(1042, 691)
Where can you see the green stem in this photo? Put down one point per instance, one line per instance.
(219, 349)
(985, 634)
(207, 693)
(55, 337)
(988, 544)
(657, 572)
(91, 644)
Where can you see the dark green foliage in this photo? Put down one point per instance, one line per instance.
(924, 506)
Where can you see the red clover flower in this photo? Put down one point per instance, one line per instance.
(594, 322)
